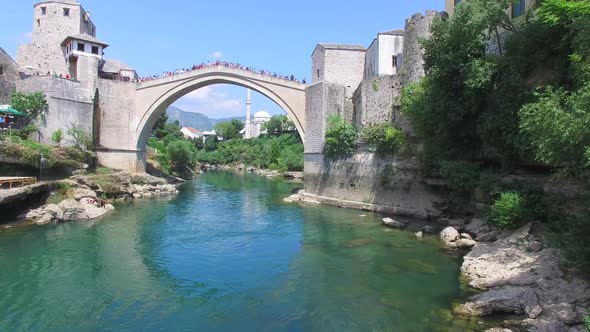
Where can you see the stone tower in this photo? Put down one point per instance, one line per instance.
(417, 27)
(53, 22)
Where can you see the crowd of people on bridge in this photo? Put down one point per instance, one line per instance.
(219, 63)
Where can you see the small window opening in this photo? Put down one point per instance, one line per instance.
(518, 8)
(394, 61)
(43, 10)
(66, 11)
(38, 23)
(95, 50)
(318, 73)
(1, 71)
(81, 47)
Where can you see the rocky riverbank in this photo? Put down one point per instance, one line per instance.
(515, 271)
(519, 274)
(90, 196)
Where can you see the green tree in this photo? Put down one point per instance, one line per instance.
(80, 137)
(57, 137)
(34, 105)
(385, 137)
(211, 143)
(279, 124)
(558, 128)
(340, 140)
(161, 122)
(229, 130)
(181, 154)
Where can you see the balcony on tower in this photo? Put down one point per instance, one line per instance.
(82, 45)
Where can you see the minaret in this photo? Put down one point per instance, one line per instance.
(248, 133)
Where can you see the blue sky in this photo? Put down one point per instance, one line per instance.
(275, 35)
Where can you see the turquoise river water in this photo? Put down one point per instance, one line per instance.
(226, 254)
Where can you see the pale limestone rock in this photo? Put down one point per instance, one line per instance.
(419, 234)
(465, 243)
(72, 210)
(449, 235)
(45, 219)
(93, 212)
(394, 223)
(466, 236)
(80, 193)
(509, 299)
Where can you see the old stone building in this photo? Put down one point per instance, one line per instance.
(363, 86)
(384, 55)
(53, 22)
(8, 70)
(69, 59)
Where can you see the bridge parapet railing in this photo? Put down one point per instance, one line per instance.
(227, 68)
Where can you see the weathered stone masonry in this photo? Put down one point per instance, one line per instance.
(365, 102)
(7, 76)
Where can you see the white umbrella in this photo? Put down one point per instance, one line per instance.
(30, 69)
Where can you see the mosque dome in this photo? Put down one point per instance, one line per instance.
(261, 115)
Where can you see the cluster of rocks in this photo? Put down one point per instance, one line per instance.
(125, 185)
(81, 204)
(88, 197)
(453, 239)
(518, 274)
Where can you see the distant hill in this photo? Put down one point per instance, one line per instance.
(196, 120)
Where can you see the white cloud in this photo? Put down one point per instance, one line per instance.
(199, 95)
(212, 101)
(217, 54)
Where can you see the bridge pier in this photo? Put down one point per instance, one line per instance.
(124, 160)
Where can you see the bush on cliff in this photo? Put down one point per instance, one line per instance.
(508, 210)
(385, 137)
(340, 139)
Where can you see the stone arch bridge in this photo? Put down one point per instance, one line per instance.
(127, 112)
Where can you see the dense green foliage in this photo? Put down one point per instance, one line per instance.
(284, 153)
(474, 105)
(229, 130)
(32, 105)
(507, 210)
(526, 104)
(340, 140)
(181, 154)
(278, 125)
(177, 155)
(385, 137)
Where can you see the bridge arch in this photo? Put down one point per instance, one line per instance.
(154, 97)
(128, 112)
